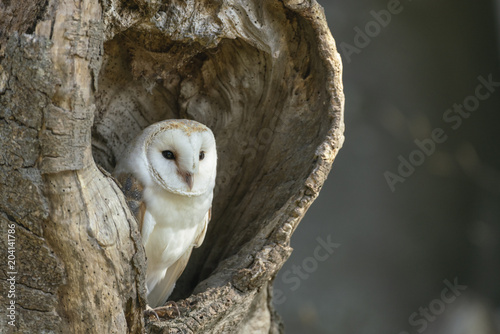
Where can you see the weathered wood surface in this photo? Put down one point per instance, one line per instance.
(79, 79)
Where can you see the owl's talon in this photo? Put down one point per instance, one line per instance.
(170, 310)
(149, 312)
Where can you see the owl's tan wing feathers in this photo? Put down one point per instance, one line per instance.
(133, 189)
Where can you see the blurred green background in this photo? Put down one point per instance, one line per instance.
(399, 250)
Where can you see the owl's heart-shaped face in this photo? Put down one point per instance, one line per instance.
(182, 157)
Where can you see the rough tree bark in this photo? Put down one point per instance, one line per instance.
(80, 78)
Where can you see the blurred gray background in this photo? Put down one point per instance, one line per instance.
(399, 251)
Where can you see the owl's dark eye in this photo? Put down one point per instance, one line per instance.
(202, 155)
(169, 155)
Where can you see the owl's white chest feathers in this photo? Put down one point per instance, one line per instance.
(172, 226)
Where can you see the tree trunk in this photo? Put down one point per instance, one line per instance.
(80, 78)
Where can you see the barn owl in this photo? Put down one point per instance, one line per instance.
(168, 176)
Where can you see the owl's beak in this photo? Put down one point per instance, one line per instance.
(189, 178)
